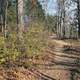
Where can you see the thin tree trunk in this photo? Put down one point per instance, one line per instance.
(20, 22)
(5, 26)
(78, 15)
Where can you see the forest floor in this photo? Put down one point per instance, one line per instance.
(56, 63)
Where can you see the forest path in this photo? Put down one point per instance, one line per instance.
(64, 52)
(55, 63)
(53, 38)
(60, 57)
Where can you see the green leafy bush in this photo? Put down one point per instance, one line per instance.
(36, 38)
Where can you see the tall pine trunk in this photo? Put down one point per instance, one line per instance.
(78, 15)
(61, 19)
(20, 22)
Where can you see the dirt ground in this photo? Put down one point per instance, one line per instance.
(60, 61)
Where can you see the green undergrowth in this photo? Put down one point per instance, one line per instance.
(35, 40)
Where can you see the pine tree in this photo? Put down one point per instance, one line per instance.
(34, 9)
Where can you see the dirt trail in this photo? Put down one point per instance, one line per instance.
(59, 62)
(56, 63)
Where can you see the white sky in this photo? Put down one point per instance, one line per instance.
(50, 8)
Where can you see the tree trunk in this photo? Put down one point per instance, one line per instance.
(78, 15)
(20, 22)
(61, 17)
